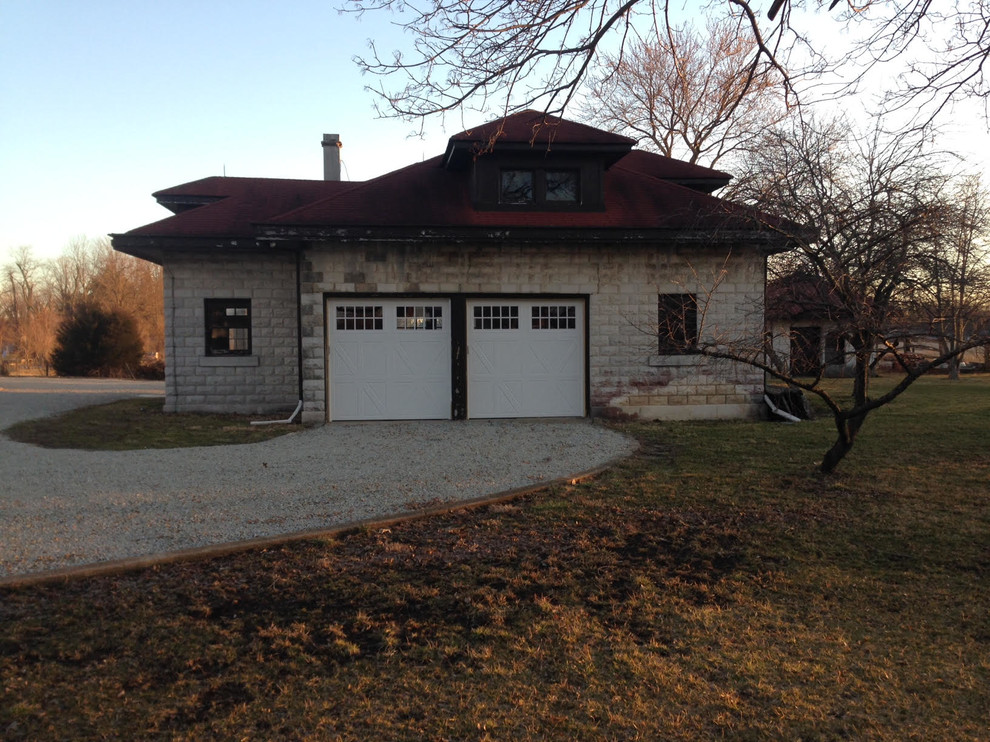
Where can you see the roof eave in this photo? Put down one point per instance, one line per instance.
(765, 242)
(154, 247)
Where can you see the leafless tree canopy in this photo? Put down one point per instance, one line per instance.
(37, 295)
(951, 287)
(880, 210)
(507, 55)
(692, 94)
(504, 56)
(945, 44)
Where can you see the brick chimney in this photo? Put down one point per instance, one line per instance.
(331, 156)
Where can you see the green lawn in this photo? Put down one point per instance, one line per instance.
(712, 586)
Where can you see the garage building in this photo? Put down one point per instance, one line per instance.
(537, 268)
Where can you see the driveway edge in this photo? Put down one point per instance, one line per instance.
(133, 564)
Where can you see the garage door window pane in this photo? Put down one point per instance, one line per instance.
(419, 318)
(360, 318)
(556, 317)
(496, 317)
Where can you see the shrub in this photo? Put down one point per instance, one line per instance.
(96, 342)
(152, 370)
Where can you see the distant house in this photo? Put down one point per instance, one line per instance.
(806, 325)
(538, 267)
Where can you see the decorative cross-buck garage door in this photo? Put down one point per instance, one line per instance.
(525, 358)
(389, 359)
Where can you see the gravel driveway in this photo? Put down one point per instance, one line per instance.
(62, 508)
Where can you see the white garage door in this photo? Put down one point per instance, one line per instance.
(389, 359)
(525, 358)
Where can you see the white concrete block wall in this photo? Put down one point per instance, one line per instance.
(627, 375)
(265, 382)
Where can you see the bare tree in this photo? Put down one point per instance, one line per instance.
(37, 296)
(944, 46)
(952, 290)
(510, 55)
(20, 281)
(37, 335)
(689, 94)
(69, 275)
(504, 55)
(874, 207)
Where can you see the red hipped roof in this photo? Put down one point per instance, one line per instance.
(643, 191)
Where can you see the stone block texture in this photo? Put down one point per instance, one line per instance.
(267, 381)
(628, 376)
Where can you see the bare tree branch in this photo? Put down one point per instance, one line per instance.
(505, 56)
(690, 94)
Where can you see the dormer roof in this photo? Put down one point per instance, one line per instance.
(533, 131)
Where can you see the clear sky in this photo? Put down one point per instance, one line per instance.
(102, 103)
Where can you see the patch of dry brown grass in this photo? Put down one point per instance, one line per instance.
(710, 587)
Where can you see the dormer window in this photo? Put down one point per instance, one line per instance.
(522, 187)
(562, 186)
(517, 187)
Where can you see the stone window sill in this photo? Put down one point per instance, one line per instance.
(681, 359)
(229, 361)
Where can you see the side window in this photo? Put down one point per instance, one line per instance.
(228, 327)
(677, 323)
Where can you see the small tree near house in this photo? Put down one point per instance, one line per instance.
(874, 210)
(97, 342)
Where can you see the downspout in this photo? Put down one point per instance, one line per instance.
(766, 359)
(299, 327)
(289, 419)
(773, 409)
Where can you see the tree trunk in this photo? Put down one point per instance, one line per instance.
(843, 444)
(954, 368)
(835, 454)
(848, 427)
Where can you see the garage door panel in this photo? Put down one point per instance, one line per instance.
(345, 358)
(526, 359)
(485, 360)
(372, 400)
(408, 398)
(389, 359)
(345, 401)
(501, 398)
(419, 359)
(550, 396)
(552, 359)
